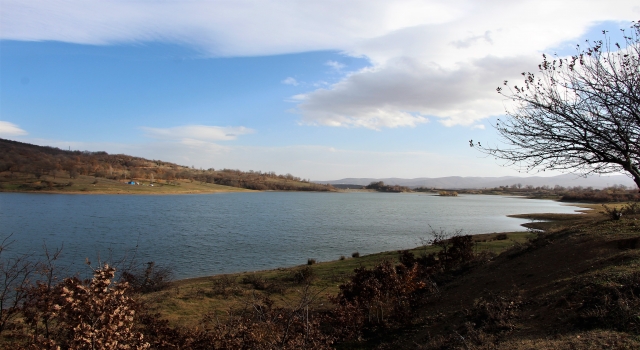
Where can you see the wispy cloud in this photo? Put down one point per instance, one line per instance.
(197, 133)
(10, 129)
(290, 81)
(336, 66)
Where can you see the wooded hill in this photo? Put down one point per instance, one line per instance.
(23, 162)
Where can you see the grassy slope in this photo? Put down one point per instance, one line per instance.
(576, 250)
(185, 301)
(547, 278)
(85, 185)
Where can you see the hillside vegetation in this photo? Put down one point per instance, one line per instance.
(26, 167)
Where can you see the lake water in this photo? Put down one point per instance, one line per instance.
(199, 235)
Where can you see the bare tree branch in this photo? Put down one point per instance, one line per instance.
(579, 114)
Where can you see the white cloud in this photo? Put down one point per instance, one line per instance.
(404, 91)
(450, 70)
(192, 134)
(336, 66)
(430, 59)
(10, 129)
(227, 28)
(290, 81)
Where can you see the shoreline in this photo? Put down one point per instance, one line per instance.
(546, 220)
(182, 300)
(130, 193)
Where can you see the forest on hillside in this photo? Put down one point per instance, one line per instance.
(19, 159)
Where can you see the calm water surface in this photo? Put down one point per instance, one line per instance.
(202, 235)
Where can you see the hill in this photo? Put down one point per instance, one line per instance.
(27, 167)
(461, 182)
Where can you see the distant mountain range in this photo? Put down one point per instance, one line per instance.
(460, 182)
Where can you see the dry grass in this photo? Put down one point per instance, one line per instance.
(91, 185)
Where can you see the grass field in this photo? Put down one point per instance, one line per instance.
(92, 185)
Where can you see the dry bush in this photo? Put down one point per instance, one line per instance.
(75, 314)
(495, 313)
(15, 275)
(375, 299)
(455, 251)
(303, 275)
(225, 286)
(257, 282)
(613, 213)
(150, 279)
(259, 325)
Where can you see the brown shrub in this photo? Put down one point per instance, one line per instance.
(378, 298)
(303, 275)
(89, 314)
(150, 279)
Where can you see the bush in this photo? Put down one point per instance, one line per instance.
(613, 213)
(501, 236)
(355, 255)
(151, 279)
(311, 261)
(378, 298)
(495, 313)
(75, 314)
(256, 281)
(224, 286)
(342, 257)
(303, 275)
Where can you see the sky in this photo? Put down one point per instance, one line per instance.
(320, 89)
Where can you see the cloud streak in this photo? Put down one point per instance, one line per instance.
(195, 134)
(8, 129)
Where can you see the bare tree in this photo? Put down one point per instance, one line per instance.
(15, 274)
(580, 114)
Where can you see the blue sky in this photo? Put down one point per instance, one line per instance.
(322, 90)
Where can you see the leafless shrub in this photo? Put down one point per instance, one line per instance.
(376, 298)
(258, 282)
(15, 280)
(150, 279)
(303, 275)
(495, 313)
